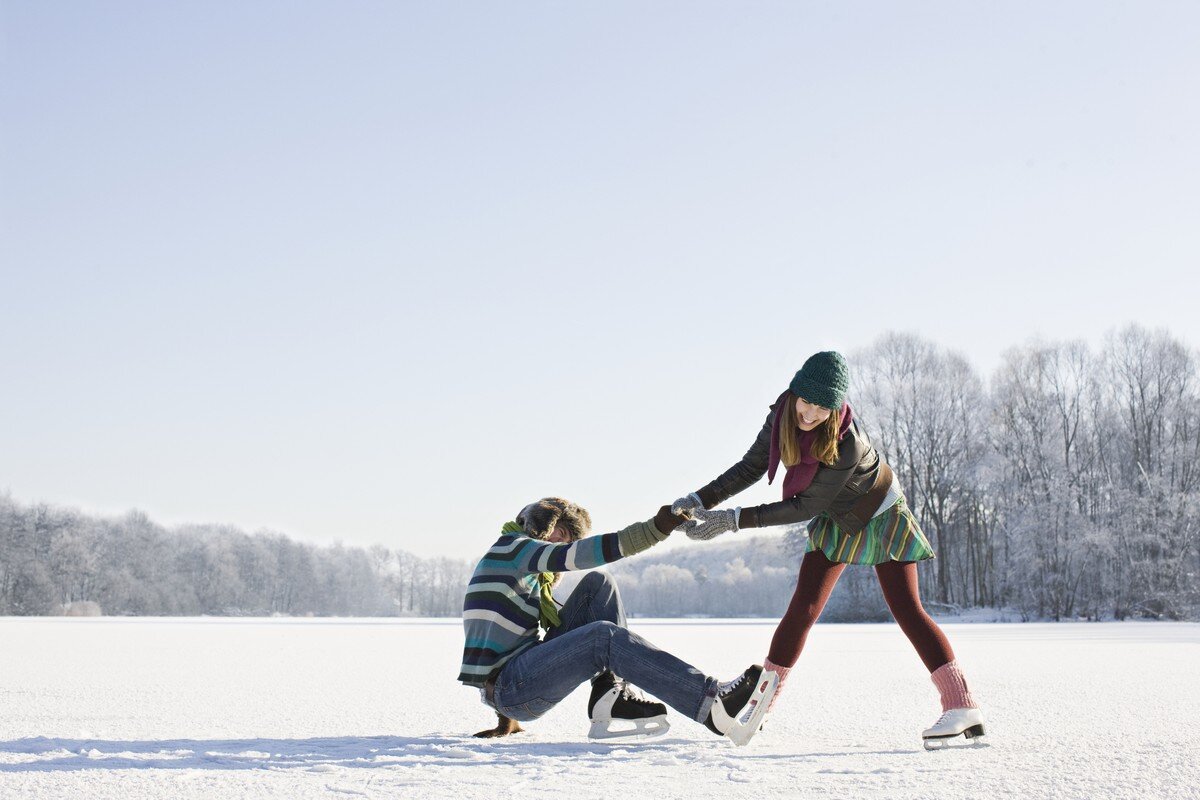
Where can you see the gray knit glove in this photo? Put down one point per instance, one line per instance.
(685, 505)
(709, 524)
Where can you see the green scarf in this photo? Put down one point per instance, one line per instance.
(549, 610)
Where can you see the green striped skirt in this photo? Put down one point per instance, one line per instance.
(893, 535)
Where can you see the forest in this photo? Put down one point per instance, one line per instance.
(1064, 486)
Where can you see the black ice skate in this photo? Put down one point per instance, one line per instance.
(613, 700)
(741, 705)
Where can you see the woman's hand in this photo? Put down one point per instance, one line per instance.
(706, 525)
(685, 505)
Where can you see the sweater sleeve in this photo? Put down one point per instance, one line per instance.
(534, 555)
(743, 474)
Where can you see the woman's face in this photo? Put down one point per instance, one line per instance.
(809, 416)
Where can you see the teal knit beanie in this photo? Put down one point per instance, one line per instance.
(823, 380)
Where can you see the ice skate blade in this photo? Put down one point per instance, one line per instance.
(741, 729)
(973, 736)
(646, 728)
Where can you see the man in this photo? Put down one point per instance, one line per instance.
(522, 676)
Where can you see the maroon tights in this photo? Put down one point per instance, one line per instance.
(898, 579)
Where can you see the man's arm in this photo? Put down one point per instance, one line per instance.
(534, 555)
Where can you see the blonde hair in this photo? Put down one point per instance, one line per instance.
(824, 448)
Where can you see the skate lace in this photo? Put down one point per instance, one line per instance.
(631, 694)
(945, 716)
(726, 688)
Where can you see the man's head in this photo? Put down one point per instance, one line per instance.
(555, 520)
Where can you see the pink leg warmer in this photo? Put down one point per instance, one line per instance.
(782, 672)
(952, 686)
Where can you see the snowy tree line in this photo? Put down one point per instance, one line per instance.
(722, 578)
(54, 558)
(737, 576)
(1066, 486)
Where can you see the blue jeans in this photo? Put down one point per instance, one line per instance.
(592, 639)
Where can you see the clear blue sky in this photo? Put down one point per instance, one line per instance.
(384, 272)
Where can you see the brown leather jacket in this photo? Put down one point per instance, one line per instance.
(836, 489)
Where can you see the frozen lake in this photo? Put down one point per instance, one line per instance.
(184, 708)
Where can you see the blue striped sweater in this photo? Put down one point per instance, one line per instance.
(500, 609)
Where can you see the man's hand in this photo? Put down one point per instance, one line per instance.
(706, 525)
(504, 727)
(687, 504)
(666, 521)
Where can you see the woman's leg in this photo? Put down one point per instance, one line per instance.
(898, 579)
(818, 576)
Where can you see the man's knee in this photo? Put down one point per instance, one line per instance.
(596, 579)
(603, 629)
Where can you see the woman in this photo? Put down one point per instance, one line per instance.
(836, 479)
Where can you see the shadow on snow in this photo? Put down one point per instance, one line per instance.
(50, 755)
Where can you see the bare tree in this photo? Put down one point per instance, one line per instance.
(925, 407)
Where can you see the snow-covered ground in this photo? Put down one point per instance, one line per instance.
(185, 708)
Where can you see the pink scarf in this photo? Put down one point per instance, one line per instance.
(799, 475)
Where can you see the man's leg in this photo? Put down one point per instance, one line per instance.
(595, 599)
(540, 677)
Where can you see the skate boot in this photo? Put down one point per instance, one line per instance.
(955, 728)
(614, 701)
(741, 705)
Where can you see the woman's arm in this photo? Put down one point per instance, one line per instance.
(743, 474)
(819, 496)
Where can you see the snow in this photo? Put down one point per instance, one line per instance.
(189, 708)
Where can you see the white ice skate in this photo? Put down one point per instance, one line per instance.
(740, 710)
(955, 728)
(617, 711)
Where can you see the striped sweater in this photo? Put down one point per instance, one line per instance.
(500, 610)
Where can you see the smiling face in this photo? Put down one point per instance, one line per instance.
(809, 416)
